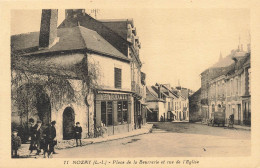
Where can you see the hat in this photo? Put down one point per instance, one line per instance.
(77, 123)
(15, 130)
(31, 120)
(39, 121)
(53, 122)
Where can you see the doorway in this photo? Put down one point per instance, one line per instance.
(239, 113)
(43, 107)
(68, 123)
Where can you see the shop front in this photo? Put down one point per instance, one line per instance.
(113, 111)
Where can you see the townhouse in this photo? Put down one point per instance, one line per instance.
(81, 71)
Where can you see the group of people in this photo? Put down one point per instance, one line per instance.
(42, 138)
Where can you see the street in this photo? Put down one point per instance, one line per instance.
(170, 140)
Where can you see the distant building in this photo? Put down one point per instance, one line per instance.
(195, 107)
(166, 104)
(227, 85)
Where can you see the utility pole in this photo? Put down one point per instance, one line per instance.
(95, 11)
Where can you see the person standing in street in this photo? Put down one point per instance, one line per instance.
(78, 131)
(32, 135)
(39, 137)
(16, 143)
(50, 139)
(139, 121)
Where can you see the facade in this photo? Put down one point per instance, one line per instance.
(228, 88)
(156, 102)
(195, 107)
(166, 104)
(76, 73)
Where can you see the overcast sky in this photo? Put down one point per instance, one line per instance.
(177, 44)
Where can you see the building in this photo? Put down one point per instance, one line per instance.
(195, 107)
(76, 73)
(156, 102)
(226, 86)
(165, 104)
(122, 35)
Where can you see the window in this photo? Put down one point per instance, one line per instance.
(109, 113)
(119, 112)
(125, 111)
(122, 112)
(106, 113)
(103, 113)
(118, 78)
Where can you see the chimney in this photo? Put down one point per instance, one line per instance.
(241, 47)
(159, 91)
(248, 48)
(73, 13)
(48, 30)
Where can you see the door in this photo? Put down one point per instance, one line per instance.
(68, 123)
(239, 113)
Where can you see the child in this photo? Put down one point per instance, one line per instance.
(78, 131)
(16, 143)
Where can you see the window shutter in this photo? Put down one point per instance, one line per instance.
(118, 78)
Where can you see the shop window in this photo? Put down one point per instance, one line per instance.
(119, 112)
(122, 111)
(109, 113)
(125, 111)
(118, 78)
(103, 113)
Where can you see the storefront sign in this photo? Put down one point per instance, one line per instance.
(112, 97)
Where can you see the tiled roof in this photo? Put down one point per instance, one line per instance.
(75, 38)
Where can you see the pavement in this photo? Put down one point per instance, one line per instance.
(66, 144)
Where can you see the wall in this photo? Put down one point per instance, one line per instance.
(57, 104)
(106, 67)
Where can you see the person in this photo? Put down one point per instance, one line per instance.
(32, 136)
(39, 137)
(16, 143)
(78, 131)
(50, 139)
(139, 121)
(231, 120)
(161, 119)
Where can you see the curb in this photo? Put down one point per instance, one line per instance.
(147, 131)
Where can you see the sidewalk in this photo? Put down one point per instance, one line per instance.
(65, 144)
(239, 127)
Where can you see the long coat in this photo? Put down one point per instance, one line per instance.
(16, 142)
(77, 131)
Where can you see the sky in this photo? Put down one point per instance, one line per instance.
(176, 44)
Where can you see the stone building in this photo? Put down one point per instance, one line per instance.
(195, 107)
(75, 73)
(226, 86)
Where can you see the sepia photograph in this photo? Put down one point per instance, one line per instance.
(96, 82)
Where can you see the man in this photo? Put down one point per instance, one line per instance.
(78, 131)
(32, 135)
(39, 137)
(50, 139)
(139, 121)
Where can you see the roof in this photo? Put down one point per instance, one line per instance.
(152, 94)
(75, 38)
(63, 65)
(118, 25)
